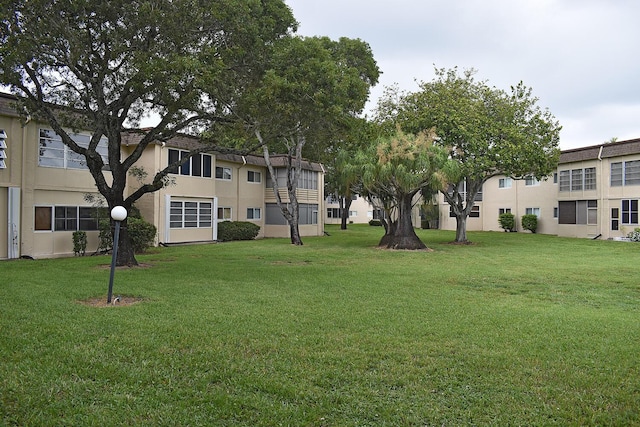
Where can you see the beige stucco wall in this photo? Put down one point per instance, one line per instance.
(607, 197)
(362, 210)
(602, 187)
(42, 186)
(48, 186)
(239, 194)
(449, 223)
(304, 196)
(44, 244)
(181, 188)
(518, 198)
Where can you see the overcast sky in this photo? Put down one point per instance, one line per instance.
(581, 57)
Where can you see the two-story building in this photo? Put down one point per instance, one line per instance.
(502, 194)
(44, 188)
(593, 193)
(599, 189)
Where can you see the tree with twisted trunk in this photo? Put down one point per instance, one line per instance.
(396, 171)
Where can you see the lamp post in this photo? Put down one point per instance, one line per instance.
(118, 214)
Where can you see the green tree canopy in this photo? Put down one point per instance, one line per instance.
(488, 131)
(310, 93)
(395, 171)
(110, 63)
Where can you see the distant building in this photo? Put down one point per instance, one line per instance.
(360, 211)
(593, 193)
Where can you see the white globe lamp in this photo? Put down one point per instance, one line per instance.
(119, 213)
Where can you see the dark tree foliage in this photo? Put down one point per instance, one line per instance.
(488, 132)
(109, 63)
(310, 93)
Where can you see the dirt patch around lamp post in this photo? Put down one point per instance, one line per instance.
(116, 301)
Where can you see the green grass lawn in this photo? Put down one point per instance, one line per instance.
(517, 329)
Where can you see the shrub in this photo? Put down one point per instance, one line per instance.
(507, 221)
(530, 222)
(430, 213)
(237, 230)
(79, 242)
(105, 240)
(375, 223)
(141, 232)
(634, 236)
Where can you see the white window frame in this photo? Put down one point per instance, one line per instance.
(223, 217)
(76, 216)
(590, 178)
(333, 212)
(564, 180)
(68, 159)
(531, 181)
(629, 212)
(532, 211)
(204, 159)
(227, 173)
(506, 182)
(577, 179)
(189, 214)
(251, 177)
(251, 214)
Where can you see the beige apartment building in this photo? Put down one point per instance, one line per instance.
(43, 188)
(599, 189)
(501, 194)
(593, 193)
(360, 211)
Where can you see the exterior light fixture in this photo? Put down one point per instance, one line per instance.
(118, 214)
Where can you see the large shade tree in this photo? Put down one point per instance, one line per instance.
(396, 170)
(489, 132)
(108, 63)
(310, 93)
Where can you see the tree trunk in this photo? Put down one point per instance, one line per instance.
(389, 230)
(461, 228)
(295, 234)
(292, 185)
(126, 255)
(404, 235)
(294, 218)
(344, 213)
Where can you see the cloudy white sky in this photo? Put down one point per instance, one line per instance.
(581, 57)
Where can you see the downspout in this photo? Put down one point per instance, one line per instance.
(600, 189)
(321, 199)
(26, 197)
(517, 209)
(244, 162)
(157, 209)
